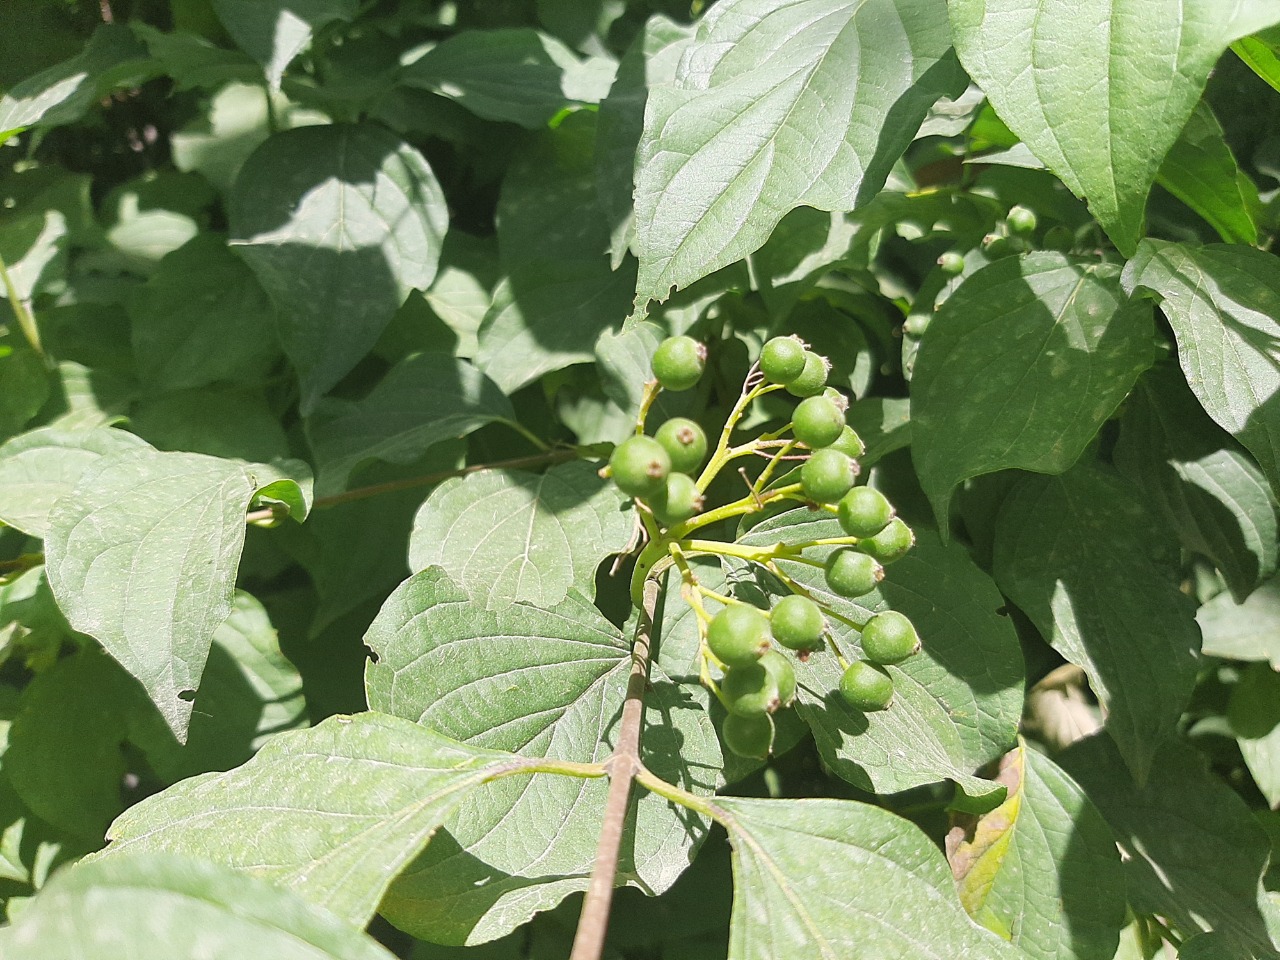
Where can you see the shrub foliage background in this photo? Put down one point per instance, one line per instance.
(320, 317)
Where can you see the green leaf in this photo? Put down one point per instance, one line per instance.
(40, 467)
(235, 423)
(1243, 631)
(423, 400)
(333, 812)
(1254, 713)
(1222, 302)
(516, 75)
(26, 383)
(338, 223)
(1041, 869)
(1085, 561)
(273, 32)
(839, 880)
(192, 62)
(1207, 946)
(201, 317)
(955, 708)
(1262, 54)
(142, 555)
(538, 682)
(1201, 171)
(1193, 853)
(1070, 348)
(883, 424)
(1209, 492)
(1099, 89)
(776, 107)
(63, 93)
(558, 294)
(33, 250)
(508, 536)
(157, 907)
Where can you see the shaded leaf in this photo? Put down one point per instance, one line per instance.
(1254, 714)
(273, 32)
(231, 422)
(1070, 348)
(1262, 53)
(1099, 90)
(1201, 171)
(338, 223)
(1243, 631)
(1090, 567)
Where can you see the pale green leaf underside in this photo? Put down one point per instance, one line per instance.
(1243, 631)
(839, 880)
(1042, 869)
(142, 555)
(1042, 350)
(333, 812)
(511, 536)
(776, 106)
(157, 907)
(1100, 89)
(39, 467)
(339, 222)
(1077, 553)
(1222, 302)
(422, 400)
(273, 32)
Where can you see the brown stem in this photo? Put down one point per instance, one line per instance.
(360, 493)
(623, 765)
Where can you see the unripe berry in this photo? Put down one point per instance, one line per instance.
(685, 443)
(891, 543)
(639, 466)
(738, 635)
(818, 422)
(782, 359)
(750, 737)
(952, 263)
(678, 362)
(797, 623)
(827, 475)
(679, 501)
(750, 690)
(889, 637)
(852, 574)
(866, 687)
(864, 512)
(783, 675)
(850, 444)
(1021, 220)
(812, 379)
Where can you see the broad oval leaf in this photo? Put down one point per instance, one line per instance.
(39, 467)
(143, 553)
(776, 106)
(1042, 868)
(1100, 89)
(1085, 561)
(273, 32)
(156, 907)
(339, 223)
(840, 880)
(1254, 714)
(422, 400)
(333, 812)
(1042, 350)
(1222, 302)
(1243, 631)
(508, 535)
(955, 708)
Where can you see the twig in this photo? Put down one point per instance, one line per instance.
(623, 765)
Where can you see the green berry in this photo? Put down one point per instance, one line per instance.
(749, 690)
(782, 359)
(679, 501)
(1059, 238)
(889, 637)
(952, 263)
(797, 623)
(866, 687)
(738, 635)
(678, 362)
(812, 378)
(1021, 220)
(783, 675)
(916, 325)
(852, 574)
(864, 512)
(827, 475)
(996, 246)
(891, 543)
(685, 443)
(640, 466)
(850, 444)
(818, 422)
(750, 737)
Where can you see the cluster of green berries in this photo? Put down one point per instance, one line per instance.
(759, 680)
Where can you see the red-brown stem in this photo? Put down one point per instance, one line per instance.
(623, 765)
